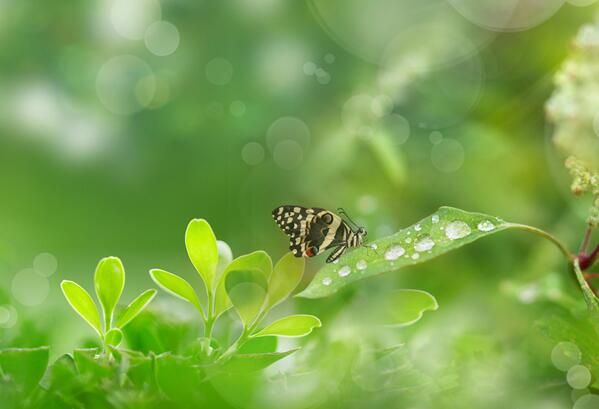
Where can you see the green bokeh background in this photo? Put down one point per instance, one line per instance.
(82, 182)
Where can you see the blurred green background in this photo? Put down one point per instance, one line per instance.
(121, 120)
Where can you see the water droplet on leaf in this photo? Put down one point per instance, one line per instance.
(435, 218)
(424, 244)
(485, 225)
(344, 271)
(394, 253)
(457, 230)
(361, 265)
(418, 227)
(326, 281)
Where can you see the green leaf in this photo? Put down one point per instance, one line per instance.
(82, 303)
(135, 307)
(202, 250)
(259, 345)
(109, 281)
(24, 366)
(291, 326)
(247, 290)
(257, 260)
(89, 362)
(285, 277)
(444, 231)
(404, 307)
(177, 286)
(178, 378)
(114, 337)
(254, 362)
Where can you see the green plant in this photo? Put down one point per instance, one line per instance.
(249, 284)
(109, 280)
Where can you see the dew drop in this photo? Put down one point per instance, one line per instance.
(408, 240)
(361, 265)
(424, 244)
(457, 230)
(374, 246)
(485, 225)
(418, 227)
(435, 218)
(326, 281)
(344, 271)
(394, 253)
(415, 256)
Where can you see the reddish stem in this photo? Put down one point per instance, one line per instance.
(587, 260)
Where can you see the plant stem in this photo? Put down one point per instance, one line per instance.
(585, 241)
(587, 260)
(209, 322)
(542, 233)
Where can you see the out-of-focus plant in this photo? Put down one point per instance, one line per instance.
(573, 111)
(109, 282)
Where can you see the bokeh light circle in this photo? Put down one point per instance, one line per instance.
(288, 154)
(125, 84)
(396, 126)
(578, 377)
(237, 108)
(565, 355)
(309, 68)
(252, 153)
(507, 15)
(435, 137)
(381, 105)
(8, 316)
(357, 113)
(30, 288)
(162, 38)
(219, 71)
(45, 264)
(131, 18)
(587, 402)
(448, 155)
(288, 128)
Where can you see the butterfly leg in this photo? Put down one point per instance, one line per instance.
(338, 252)
(372, 247)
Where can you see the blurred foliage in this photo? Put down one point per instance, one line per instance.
(387, 108)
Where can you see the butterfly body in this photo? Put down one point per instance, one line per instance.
(312, 230)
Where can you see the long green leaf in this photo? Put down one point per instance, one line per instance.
(177, 286)
(109, 281)
(135, 307)
(82, 303)
(444, 231)
(258, 260)
(202, 250)
(254, 362)
(291, 326)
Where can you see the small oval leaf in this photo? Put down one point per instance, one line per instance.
(258, 260)
(444, 231)
(177, 286)
(286, 275)
(246, 290)
(114, 337)
(135, 307)
(202, 250)
(291, 326)
(109, 281)
(404, 307)
(82, 303)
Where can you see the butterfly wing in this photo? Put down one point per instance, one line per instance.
(311, 230)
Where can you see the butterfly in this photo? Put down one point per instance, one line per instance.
(312, 230)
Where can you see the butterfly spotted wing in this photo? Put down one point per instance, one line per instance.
(312, 230)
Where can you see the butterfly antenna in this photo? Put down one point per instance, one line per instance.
(342, 211)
